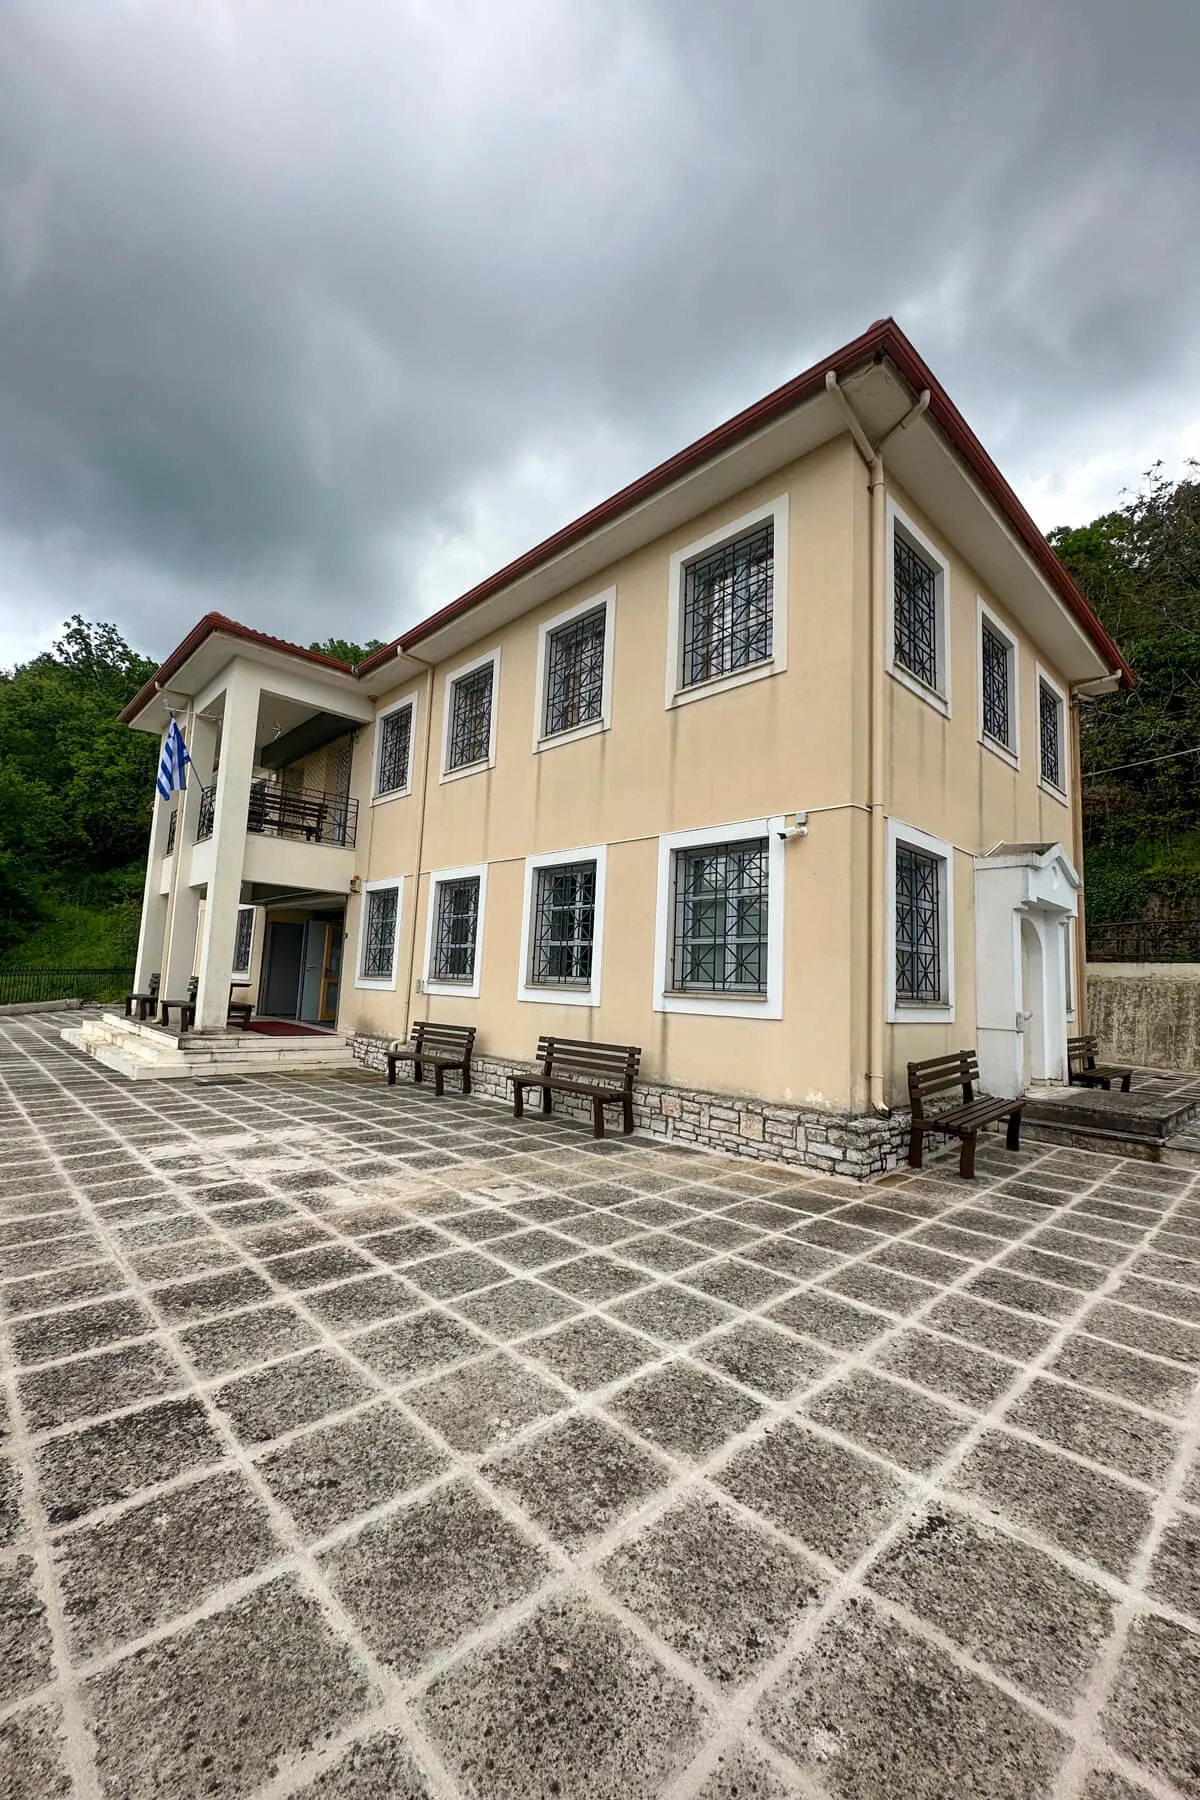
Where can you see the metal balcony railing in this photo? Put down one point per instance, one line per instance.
(307, 814)
(1144, 940)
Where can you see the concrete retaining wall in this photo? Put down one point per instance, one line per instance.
(1146, 1013)
(40, 1006)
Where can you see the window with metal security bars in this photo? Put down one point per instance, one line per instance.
(996, 654)
(470, 736)
(720, 929)
(728, 607)
(455, 926)
(377, 960)
(915, 610)
(243, 940)
(919, 973)
(1050, 735)
(564, 926)
(395, 745)
(575, 674)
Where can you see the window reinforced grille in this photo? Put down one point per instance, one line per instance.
(575, 674)
(172, 827)
(564, 925)
(997, 720)
(471, 718)
(243, 940)
(455, 923)
(918, 927)
(728, 604)
(379, 934)
(1050, 717)
(395, 743)
(915, 610)
(720, 932)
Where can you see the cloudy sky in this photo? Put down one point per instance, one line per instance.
(315, 314)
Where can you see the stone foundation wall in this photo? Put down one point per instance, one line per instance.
(836, 1143)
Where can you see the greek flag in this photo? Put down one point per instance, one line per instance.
(172, 770)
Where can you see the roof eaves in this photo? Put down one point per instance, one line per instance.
(210, 625)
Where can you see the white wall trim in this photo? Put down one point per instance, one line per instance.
(939, 697)
(551, 994)
(907, 1012)
(360, 980)
(400, 793)
(448, 684)
(1061, 794)
(776, 663)
(1008, 753)
(468, 989)
(721, 1006)
(607, 599)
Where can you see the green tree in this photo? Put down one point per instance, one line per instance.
(345, 651)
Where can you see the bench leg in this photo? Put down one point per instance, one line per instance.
(391, 1071)
(518, 1100)
(466, 1074)
(916, 1145)
(966, 1162)
(439, 1084)
(597, 1118)
(547, 1101)
(1125, 1081)
(627, 1123)
(417, 1076)
(1012, 1137)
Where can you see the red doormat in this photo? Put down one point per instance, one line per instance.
(284, 1028)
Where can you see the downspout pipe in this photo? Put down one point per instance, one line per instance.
(872, 455)
(420, 846)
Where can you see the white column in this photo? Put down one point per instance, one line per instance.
(219, 930)
(183, 902)
(152, 931)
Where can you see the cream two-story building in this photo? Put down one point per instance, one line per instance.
(769, 764)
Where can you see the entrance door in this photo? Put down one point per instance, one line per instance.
(1033, 1002)
(331, 977)
(284, 959)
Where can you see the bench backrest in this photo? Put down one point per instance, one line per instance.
(152, 984)
(193, 986)
(1081, 1052)
(615, 1064)
(959, 1068)
(443, 1040)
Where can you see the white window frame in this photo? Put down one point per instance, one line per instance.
(1011, 754)
(552, 993)
(938, 697)
(242, 975)
(905, 1012)
(468, 989)
(776, 663)
(400, 793)
(550, 741)
(373, 981)
(448, 685)
(1061, 794)
(733, 1005)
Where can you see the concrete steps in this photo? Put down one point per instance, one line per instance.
(147, 1053)
(1146, 1123)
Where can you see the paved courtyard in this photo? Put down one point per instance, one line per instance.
(367, 1447)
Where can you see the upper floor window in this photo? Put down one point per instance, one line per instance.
(575, 673)
(393, 750)
(921, 947)
(1052, 771)
(379, 928)
(469, 725)
(564, 925)
(998, 705)
(728, 607)
(720, 937)
(917, 653)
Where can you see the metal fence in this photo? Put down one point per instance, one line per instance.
(28, 986)
(1144, 940)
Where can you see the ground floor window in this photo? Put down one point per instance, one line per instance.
(243, 942)
(454, 930)
(921, 925)
(721, 906)
(378, 933)
(564, 925)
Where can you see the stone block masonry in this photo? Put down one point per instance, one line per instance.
(836, 1143)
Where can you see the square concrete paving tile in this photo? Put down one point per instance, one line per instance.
(227, 1291)
(25, 1650)
(11, 1522)
(157, 1560)
(1145, 1331)
(1085, 1512)
(1103, 1784)
(595, 1277)
(743, 1774)
(872, 1710)
(568, 1703)
(790, 1258)
(1007, 1604)
(685, 1410)
(670, 1313)
(879, 1287)
(516, 1307)
(1146, 1380)
(589, 1352)
(895, 1422)
(760, 1356)
(100, 1383)
(481, 1406)
(317, 1267)
(661, 1251)
(273, 1400)
(354, 1303)
(1175, 1572)
(415, 1346)
(578, 1478)
(32, 1756)
(175, 1717)
(376, 1768)
(830, 1320)
(1007, 1333)
(722, 1593)
(461, 1272)
(536, 1249)
(739, 1283)
(409, 1244)
(827, 1496)
(419, 1579)
(37, 1293)
(53, 1335)
(1102, 1430)
(238, 1340)
(332, 1474)
(945, 1367)
(1154, 1708)
(113, 1460)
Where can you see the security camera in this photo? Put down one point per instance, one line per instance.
(795, 825)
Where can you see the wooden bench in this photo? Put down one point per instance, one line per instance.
(238, 1012)
(146, 1004)
(1084, 1071)
(441, 1046)
(602, 1072)
(936, 1075)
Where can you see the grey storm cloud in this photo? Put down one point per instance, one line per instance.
(316, 314)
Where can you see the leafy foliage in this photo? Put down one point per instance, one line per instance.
(345, 651)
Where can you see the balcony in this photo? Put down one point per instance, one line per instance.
(304, 814)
